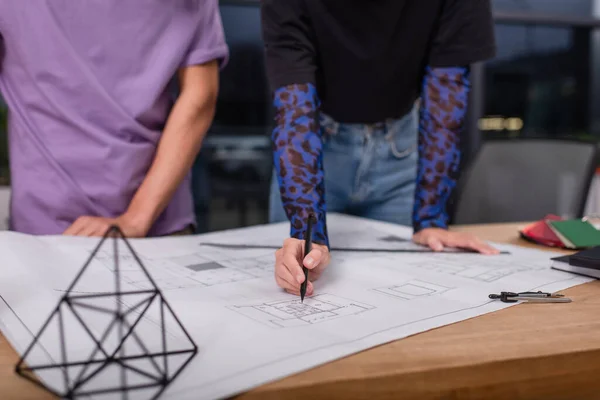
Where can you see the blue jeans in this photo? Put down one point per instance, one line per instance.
(370, 170)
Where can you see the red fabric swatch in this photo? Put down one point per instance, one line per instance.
(540, 233)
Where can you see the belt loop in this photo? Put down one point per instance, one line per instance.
(389, 131)
(368, 133)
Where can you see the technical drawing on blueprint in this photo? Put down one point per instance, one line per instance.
(477, 267)
(291, 313)
(413, 289)
(201, 268)
(362, 235)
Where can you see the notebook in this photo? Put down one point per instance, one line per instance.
(587, 258)
(586, 263)
(575, 233)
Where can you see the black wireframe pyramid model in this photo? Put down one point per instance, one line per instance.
(103, 339)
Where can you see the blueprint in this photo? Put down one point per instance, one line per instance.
(248, 331)
(289, 313)
(347, 236)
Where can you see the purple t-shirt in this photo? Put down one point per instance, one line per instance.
(86, 85)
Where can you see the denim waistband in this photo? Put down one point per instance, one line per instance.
(386, 127)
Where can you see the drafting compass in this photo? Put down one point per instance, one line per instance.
(530, 297)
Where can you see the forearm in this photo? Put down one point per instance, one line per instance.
(298, 159)
(443, 109)
(177, 149)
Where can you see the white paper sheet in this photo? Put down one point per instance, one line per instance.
(359, 234)
(248, 331)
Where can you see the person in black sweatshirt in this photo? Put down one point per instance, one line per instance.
(370, 100)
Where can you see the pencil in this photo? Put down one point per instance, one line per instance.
(307, 248)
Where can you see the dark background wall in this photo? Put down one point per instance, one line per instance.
(542, 83)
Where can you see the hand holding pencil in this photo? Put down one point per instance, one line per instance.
(298, 259)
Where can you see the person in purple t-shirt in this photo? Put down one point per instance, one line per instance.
(93, 136)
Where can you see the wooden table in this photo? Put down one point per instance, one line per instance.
(528, 351)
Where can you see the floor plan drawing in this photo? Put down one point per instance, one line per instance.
(471, 267)
(191, 270)
(413, 289)
(290, 313)
(255, 266)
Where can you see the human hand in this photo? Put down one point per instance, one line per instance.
(288, 269)
(98, 226)
(437, 239)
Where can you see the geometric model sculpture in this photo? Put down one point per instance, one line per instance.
(111, 340)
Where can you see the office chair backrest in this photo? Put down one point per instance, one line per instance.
(525, 179)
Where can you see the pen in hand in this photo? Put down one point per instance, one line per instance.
(307, 248)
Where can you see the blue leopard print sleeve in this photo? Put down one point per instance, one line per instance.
(298, 158)
(443, 108)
